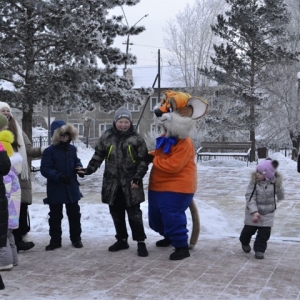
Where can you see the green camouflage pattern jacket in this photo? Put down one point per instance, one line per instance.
(124, 154)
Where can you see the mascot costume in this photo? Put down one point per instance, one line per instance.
(173, 177)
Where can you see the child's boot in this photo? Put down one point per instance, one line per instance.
(119, 245)
(2, 286)
(142, 250)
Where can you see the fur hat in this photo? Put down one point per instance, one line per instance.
(268, 168)
(3, 121)
(55, 125)
(123, 112)
(6, 139)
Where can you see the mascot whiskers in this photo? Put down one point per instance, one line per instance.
(173, 177)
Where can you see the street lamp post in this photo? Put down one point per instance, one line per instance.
(128, 37)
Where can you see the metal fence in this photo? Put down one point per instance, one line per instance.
(42, 141)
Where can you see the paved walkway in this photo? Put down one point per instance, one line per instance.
(217, 268)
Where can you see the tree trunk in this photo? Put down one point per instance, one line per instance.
(252, 134)
(27, 123)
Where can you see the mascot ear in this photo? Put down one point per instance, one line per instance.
(200, 107)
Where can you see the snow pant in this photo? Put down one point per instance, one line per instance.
(135, 218)
(55, 218)
(167, 215)
(262, 236)
(24, 223)
(9, 254)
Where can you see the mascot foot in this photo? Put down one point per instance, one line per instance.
(118, 245)
(163, 243)
(180, 253)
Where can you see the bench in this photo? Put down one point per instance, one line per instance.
(34, 169)
(219, 149)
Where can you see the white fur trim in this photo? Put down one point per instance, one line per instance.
(22, 151)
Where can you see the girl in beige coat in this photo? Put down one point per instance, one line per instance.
(264, 187)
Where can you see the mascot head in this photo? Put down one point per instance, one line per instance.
(178, 112)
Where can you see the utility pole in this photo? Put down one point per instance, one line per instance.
(158, 76)
(128, 37)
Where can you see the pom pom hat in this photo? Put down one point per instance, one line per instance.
(6, 139)
(3, 121)
(268, 168)
(123, 112)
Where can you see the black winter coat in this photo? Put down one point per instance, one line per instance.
(4, 169)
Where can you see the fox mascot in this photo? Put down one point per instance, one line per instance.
(173, 177)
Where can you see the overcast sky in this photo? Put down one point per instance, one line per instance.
(147, 43)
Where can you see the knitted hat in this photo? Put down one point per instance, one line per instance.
(268, 168)
(4, 104)
(123, 112)
(55, 125)
(6, 139)
(3, 121)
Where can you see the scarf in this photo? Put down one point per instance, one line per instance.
(22, 151)
(166, 143)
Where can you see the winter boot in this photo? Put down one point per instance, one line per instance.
(246, 248)
(24, 246)
(259, 255)
(142, 250)
(119, 245)
(77, 244)
(163, 243)
(180, 253)
(2, 286)
(53, 246)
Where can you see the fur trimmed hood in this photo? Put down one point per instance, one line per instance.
(66, 128)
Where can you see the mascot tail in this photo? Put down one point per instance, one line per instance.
(196, 224)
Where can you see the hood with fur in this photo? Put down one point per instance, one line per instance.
(67, 128)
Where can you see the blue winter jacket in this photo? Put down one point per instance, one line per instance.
(58, 160)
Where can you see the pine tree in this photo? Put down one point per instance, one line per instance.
(61, 52)
(252, 31)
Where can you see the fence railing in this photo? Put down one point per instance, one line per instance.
(42, 141)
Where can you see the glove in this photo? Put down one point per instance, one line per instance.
(80, 172)
(255, 217)
(136, 181)
(65, 179)
(148, 158)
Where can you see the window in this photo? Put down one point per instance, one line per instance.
(154, 102)
(132, 107)
(155, 129)
(56, 108)
(103, 127)
(80, 128)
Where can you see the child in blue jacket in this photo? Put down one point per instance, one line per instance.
(59, 164)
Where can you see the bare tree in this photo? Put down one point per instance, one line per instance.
(189, 39)
(281, 125)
